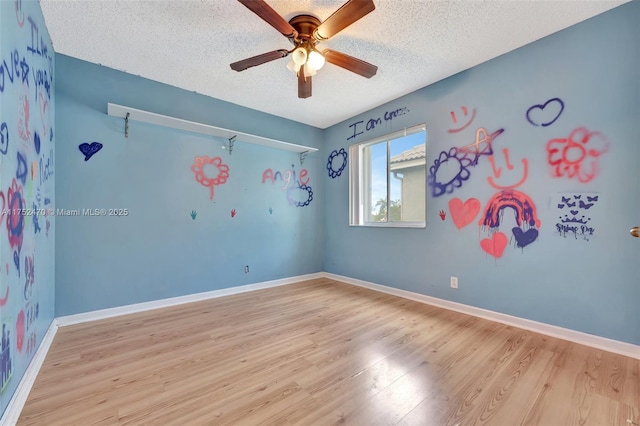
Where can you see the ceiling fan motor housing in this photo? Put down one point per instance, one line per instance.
(305, 25)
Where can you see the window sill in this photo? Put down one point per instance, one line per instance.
(390, 224)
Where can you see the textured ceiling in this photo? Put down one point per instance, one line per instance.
(190, 44)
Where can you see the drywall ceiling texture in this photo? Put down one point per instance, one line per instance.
(190, 44)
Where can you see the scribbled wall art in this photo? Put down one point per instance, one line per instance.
(576, 157)
(545, 114)
(517, 177)
(298, 191)
(4, 138)
(453, 167)
(89, 149)
(210, 172)
(26, 187)
(360, 127)
(577, 214)
(193, 214)
(6, 366)
(466, 117)
(15, 221)
(337, 162)
(524, 211)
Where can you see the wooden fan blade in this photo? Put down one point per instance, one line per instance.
(350, 63)
(258, 60)
(270, 16)
(349, 13)
(304, 85)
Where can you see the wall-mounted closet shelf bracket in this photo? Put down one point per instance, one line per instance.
(129, 114)
(232, 140)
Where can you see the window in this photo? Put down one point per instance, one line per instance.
(387, 180)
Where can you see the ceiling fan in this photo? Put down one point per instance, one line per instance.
(305, 32)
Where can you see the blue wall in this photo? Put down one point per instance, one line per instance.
(27, 105)
(158, 250)
(583, 279)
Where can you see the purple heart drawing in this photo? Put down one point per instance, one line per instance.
(574, 212)
(16, 261)
(537, 115)
(523, 239)
(89, 149)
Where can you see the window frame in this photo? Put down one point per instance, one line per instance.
(357, 179)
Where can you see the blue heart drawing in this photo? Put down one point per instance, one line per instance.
(523, 239)
(16, 261)
(36, 142)
(553, 113)
(89, 149)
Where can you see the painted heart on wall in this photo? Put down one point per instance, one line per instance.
(463, 214)
(545, 114)
(89, 149)
(523, 238)
(495, 245)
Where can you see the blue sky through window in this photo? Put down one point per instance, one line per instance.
(379, 165)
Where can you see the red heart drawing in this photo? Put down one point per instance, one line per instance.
(463, 213)
(495, 246)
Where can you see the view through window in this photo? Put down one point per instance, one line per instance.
(388, 180)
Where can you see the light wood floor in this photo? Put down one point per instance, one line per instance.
(323, 353)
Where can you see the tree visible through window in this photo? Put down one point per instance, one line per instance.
(388, 180)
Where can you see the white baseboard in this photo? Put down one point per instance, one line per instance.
(12, 413)
(609, 345)
(173, 301)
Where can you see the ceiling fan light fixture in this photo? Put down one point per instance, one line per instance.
(293, 67)
(316, 60)
(309, 71)
(304, 31)
(299, 55)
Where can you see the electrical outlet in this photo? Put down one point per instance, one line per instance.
(246, 269)
(454, 282)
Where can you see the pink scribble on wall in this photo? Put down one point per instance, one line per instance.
(23, 116)
(482, 145)
(497, 171)
(19, 13)
(20, 331)
(3, 212)
(4, 300)
(465, 113)
(577, 156)
(221, 172)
